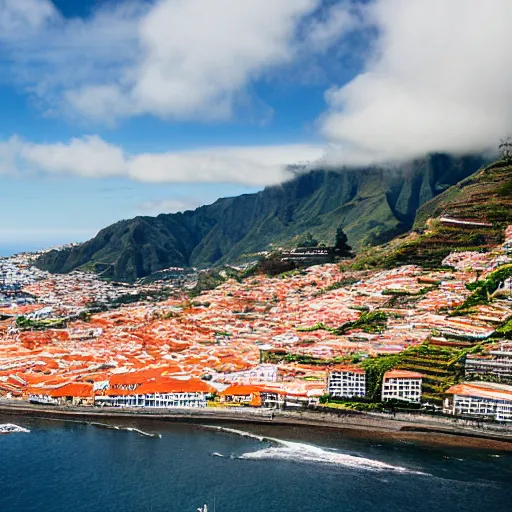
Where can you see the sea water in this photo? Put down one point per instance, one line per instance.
(56, 466)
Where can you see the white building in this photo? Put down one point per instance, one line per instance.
(260, 373)
(402, 385)
(347, 382)
(480, 399)
(165, 394)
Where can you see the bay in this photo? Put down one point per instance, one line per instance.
(166, 467)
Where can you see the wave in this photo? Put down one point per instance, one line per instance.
(11, 428)
(302, 452)
(241, 433)
(128, 429)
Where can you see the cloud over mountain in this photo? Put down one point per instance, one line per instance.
(437, 79)
(93, 157)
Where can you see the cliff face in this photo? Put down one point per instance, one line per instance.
(373, 205)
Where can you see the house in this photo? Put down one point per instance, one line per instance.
(243, 395)
(165, 393)
(347, 382)
(402, 385)
(309, 255)
(72, 393)
(480, 400)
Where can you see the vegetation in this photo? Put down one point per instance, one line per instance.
(370, 322)
(341, 247)
(482, 197)
(505, 330)
(306, 240)
(441, 367)
(482, 290)
(25, 324)
(371, 206)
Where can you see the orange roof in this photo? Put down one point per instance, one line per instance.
(137, 377)
(402, 374)
(480, 390)
(75, 389)
(240, 390)
(165, 386)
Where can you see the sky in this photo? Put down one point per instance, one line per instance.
(116, 108)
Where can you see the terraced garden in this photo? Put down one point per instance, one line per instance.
(441, 366)
(482, 198)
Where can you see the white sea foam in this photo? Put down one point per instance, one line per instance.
(142, 433)
(238, 432)
(128, 429)
(10, 428)
(302, 452)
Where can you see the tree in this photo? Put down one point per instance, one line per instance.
(341, 247)
(306, 240)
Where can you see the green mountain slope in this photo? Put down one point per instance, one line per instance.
(484, 197)
(372, 204)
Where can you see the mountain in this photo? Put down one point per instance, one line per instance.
(483, 202)
(372, 204)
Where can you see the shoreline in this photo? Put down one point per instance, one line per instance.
(357, 425)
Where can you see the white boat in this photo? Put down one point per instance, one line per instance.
(204, 509)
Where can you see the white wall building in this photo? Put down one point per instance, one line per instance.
(346, 382)
(402, 385)
(166, 393)
(480, 399)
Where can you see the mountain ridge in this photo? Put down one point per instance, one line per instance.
(373, 205)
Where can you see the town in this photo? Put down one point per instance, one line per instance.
(406, 338)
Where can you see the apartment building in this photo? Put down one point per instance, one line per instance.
(402, 385)
(480, 399)
(497, 363)
(346, 382)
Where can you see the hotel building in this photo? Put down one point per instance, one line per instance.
(480, 400)
(346, 382)
(402, 385)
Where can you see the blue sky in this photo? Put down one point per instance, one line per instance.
(117, 108)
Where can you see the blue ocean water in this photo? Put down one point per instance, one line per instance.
(10, 249)
(75, 467)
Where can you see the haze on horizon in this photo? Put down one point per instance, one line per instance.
(113, 109)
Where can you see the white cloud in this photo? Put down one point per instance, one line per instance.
(9, 151)
(248, 165)
(92, 157)
(17, 17)
(177, 59)
(438, 80)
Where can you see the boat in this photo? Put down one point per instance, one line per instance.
(204, 509)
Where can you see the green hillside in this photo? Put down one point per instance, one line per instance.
(485, 197)
(373, 205)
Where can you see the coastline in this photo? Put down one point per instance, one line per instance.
(361, 425)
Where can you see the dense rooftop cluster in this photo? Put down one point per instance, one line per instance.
(287, 332)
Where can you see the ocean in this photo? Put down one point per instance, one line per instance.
(164, 467)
